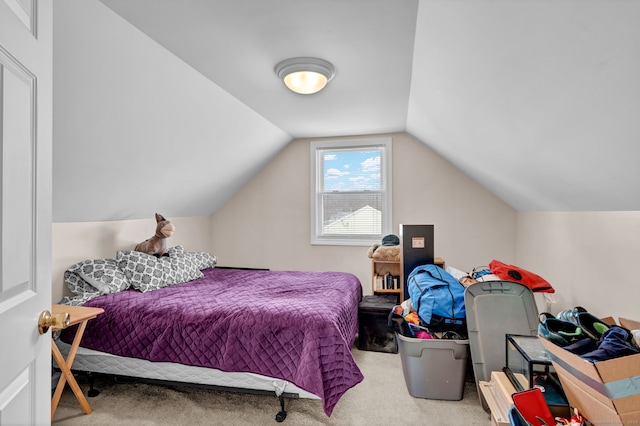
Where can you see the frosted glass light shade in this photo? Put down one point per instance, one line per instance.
(305, 82)
(305, 75)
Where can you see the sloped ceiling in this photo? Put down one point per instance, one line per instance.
(539, 101)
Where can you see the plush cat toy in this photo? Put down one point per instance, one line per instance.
(157, 245)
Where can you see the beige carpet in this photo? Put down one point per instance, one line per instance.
(381, 399)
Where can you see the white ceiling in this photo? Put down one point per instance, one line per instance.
(538, 100)
(237, 45)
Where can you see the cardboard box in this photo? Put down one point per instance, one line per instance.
(605, 392)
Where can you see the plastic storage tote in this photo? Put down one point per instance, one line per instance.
(434, 368)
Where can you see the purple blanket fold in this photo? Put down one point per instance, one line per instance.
(290, 325)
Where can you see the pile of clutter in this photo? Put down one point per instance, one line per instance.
(578, 331)
(404, 319)
(435, 307)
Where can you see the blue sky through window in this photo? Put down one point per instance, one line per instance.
(352, 170)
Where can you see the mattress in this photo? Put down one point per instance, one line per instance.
(296, 326)
(89, 360)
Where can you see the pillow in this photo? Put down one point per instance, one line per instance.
(183, 266)
(147, 273)
(104, 275)
(203, 260)
(83, 290)
(76, 283)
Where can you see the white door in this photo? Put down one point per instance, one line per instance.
(25, 210)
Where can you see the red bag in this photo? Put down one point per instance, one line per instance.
(513, 273)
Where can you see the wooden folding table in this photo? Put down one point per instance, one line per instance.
(77, 315)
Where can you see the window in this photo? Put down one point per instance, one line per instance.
(350, 191)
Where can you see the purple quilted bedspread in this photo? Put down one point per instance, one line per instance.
(295, 326)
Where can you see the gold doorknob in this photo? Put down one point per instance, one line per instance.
(47, 320)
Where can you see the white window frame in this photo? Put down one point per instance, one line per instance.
(316, 148)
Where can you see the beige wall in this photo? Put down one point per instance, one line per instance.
(266, 224)
(590, 258)
(74, 242)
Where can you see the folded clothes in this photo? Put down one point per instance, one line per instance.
(582, 346)
(616, 342)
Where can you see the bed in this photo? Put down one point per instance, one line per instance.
(288, 332)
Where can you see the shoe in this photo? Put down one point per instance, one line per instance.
(591, 326)
(568, 315)
(562, 333)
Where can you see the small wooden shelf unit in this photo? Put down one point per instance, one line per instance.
(381, 268)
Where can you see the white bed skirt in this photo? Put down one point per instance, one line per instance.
(101, 362)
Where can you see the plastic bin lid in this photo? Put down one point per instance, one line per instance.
(495, 309)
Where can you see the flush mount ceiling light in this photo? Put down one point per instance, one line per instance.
(305, 75)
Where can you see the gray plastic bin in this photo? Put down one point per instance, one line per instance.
(434, 369)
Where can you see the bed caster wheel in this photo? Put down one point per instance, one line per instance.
(93, 393)
(281, 416)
